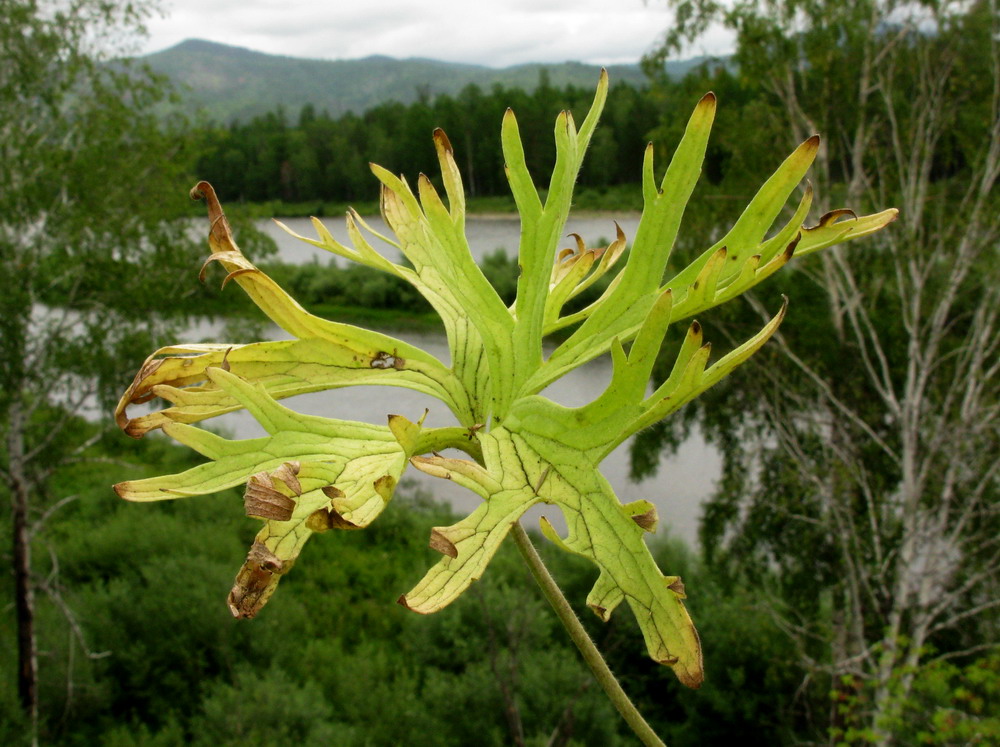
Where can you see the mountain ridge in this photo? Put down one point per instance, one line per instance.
(229, 83)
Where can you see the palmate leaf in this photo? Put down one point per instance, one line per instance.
(344, 473)
(326, 355)
(316, 474)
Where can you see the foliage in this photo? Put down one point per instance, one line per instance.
(155, 618)
(152, 615)
(372, 673)
(366, 670)
(82, 156)
(950, 704)
(861, 494)
(312, 474)
(939, 703)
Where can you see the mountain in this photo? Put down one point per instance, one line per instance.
(232, 83)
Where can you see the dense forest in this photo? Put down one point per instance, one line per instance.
(312, 157)
(844, 587)
(307, 160)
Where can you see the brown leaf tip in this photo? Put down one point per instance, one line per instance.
(262, 501)
(442, 544)
(134, 429)
(693, 680)
(138, 392)
(600, 611)
(201, 191)
(337, 521)
(255, 582)
(287, 473)
(220, 230)
(647, 521)
(441, 138)
(676, 585)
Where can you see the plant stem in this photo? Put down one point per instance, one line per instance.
(574, 627)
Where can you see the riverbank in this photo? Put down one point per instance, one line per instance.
(368, 296)
(335, 288)
(588, 202)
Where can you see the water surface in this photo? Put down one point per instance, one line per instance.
(485, 234)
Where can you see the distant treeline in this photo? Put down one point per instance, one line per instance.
(318, 157)
(315, 157)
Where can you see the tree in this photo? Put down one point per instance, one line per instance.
(876, 496)
(81, 155)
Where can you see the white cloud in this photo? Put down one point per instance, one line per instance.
(497, 33)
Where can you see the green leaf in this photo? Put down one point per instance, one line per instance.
(830, 230)
(743, 238)
(623, 310)
(285, 368)
(312, 474)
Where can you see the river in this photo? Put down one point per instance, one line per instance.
(485, 234)
(682, 482)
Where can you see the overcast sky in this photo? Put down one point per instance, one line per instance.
(496, 33)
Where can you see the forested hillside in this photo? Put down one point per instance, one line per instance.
(312, 157)
(234, 84)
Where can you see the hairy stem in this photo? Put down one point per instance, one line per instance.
(573, 626)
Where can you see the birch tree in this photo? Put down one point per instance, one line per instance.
(876, 492)
(78, 149)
